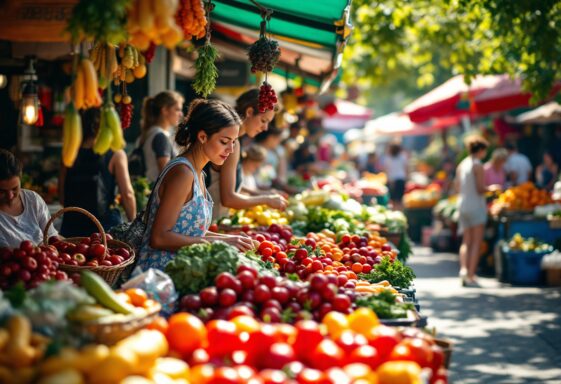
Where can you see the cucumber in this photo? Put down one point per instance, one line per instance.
(102, 293)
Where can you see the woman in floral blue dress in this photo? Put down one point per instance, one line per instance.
(181, 208)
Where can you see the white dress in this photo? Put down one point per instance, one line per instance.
(471, 203)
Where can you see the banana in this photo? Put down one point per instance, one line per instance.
(114, 123)
(86, 313)
(113, 60)
(72, 136)
(91, 84)
(79, 88)
(104, 137)
(102, 293)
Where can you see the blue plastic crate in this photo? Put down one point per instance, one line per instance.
(524, 268)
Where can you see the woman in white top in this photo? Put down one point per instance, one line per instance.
(395, 167)
(470, 183)
(160, 115)
(224, 182)
(252, 159)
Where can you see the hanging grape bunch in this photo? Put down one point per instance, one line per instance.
(264, 53)
(149, 53)
(267, 98)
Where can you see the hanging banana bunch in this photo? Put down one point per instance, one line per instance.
(104, 59)
(71, 135)
(85, 85)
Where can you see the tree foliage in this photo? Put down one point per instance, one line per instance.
(412, 45)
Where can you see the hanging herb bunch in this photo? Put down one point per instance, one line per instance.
(206, 72)
(264, 55)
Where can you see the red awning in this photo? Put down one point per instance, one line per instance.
(399, 124)
(346, 115)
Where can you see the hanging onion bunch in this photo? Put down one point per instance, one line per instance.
(264, 54)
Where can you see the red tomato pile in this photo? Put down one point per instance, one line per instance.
(270, 299)
(352, 348)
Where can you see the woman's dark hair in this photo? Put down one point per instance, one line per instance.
(249, 99)
(476, 143)
(209, 116)
(10, 166)
(272, 131)
(152, 109)
(90, 123)
(394, 149)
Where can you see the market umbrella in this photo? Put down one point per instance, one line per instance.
(446, 99)
(399, 124)
(346, 115)
(505, 95)
(547, 113)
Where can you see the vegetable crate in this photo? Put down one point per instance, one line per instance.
(524, 268)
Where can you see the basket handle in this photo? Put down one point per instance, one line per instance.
(78, 210)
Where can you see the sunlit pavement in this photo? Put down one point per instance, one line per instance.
(501, 333)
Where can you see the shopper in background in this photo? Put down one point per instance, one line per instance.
(224, 180)
(23, 213)
(252, 159)
(470, 183)
(372, 165)
(517, 167)
(181, 210)
(91, 184)
(160, 115)
(494, 168)
(547, 172)
(395, 166)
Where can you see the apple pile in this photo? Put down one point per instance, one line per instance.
(29, 264)
(89, 252)
(269, 298)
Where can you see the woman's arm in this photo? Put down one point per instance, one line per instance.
(232, 199)
(174, 191)
(162, 161)
(479, 179)
(119, 167)
(61, 181)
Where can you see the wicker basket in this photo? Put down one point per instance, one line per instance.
(111, 332)
(109, 273)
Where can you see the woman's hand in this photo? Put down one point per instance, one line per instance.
(277, 202)
(243, 242)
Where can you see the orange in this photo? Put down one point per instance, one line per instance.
(351, 275)
(186, 333)
(336, 323)
(159, 324)
(363, 320)
(357, 267)
(399, 372)
(137, 296)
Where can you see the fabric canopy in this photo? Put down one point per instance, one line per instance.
(399, 124)
(486, 94)
(348, 115)
(546, 114)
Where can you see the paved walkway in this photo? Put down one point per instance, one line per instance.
(501, 333)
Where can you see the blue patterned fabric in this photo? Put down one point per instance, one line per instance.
(194, 219)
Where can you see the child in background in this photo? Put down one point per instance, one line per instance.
(252, 159)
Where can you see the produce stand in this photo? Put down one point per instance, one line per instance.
(417, 218)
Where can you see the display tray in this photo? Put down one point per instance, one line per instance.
(411, 320)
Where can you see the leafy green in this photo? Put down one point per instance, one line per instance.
(385, 305)
(395, 272)
(405, 247)
(196, 266)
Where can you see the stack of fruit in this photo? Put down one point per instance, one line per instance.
(256, 216)
(523, 197)
(530, 244)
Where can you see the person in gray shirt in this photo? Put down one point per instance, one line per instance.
(23, 213)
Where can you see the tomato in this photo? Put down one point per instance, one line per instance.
(213, 227)
(265, 245)
(186, 333)
(312, 376)
(225, 375)
(273, 376)
(201, 374)
(327, 354)
(240, 310)
(348, 341)
(336, 375)
(366, 354)
(308, 336)
(416, 350)
(384, 339)
(259, 342)
(279, 355)
(437, 358)
(245, 373)
(222, 338)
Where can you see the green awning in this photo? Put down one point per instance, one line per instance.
(317, 23)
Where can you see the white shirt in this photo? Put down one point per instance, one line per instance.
(395, 167)
(520, 164)
(29, 225)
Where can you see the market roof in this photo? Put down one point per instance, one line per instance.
(312, 29)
